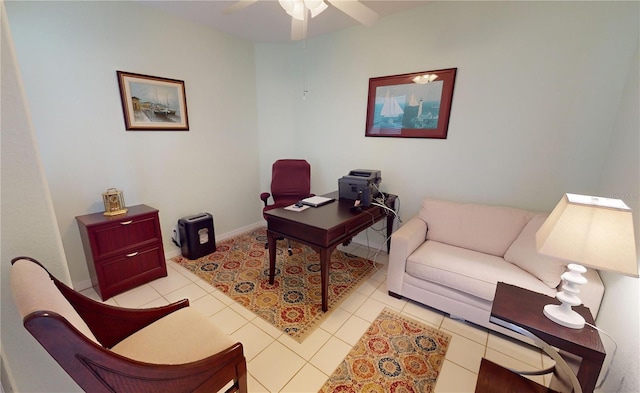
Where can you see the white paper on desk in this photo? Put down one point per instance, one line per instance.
(295, 208)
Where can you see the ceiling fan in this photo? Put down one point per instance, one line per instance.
(300, 10)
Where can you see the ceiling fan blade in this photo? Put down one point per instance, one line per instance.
(299, 28)
(357, 11)
(240, 4)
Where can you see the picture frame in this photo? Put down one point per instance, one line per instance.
(415, 105)
(153, 103)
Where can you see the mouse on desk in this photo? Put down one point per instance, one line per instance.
(299, 204)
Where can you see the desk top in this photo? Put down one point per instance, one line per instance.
(330, 215)
(524, 308)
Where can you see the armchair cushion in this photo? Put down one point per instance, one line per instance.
(35, 291)
(183, 336)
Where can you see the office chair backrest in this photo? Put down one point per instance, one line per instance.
(290, 178)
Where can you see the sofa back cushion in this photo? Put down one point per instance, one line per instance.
(524, 254)
(483, 228)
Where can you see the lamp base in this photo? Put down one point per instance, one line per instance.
(564, 315)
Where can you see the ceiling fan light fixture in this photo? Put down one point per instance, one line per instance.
(315, 6)
(295, 8)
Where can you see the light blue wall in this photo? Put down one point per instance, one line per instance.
(536, 104)
(69, 53)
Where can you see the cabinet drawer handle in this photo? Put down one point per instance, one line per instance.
(126, 222)
(133, 254)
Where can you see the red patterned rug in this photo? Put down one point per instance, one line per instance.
(293, 304)
(396, 354)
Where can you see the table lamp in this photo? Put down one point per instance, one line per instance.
(586, 231)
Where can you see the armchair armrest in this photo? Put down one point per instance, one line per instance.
(265, 197)
(110, 324)
(404, 241)
(99, 370)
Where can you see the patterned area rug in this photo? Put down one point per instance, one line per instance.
(396, 354)
(293, 304)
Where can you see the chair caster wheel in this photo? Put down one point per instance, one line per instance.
(290, 252)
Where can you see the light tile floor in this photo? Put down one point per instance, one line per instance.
(277, 363)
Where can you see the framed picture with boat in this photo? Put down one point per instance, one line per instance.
(415, 105)
(153, 103)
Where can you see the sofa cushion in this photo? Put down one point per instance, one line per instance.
(488, 229)
(468, 271)
(183, 336)
(524, 254)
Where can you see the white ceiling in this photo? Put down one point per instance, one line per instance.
(266, 21)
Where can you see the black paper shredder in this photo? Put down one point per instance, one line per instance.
(197, 238)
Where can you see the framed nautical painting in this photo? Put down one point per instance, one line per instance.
(414, 105)
(153, 103)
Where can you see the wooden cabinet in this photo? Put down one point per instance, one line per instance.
(123, 251)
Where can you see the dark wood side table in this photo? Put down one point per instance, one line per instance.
(323, 229)
(582, 347)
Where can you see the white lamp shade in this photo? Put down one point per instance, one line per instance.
(591, 231)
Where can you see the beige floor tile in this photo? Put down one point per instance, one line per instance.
(228, 320)
(335, 320)
(455, 379)
(170, 283)
(254, 340)
(308, 380)
(253, 386)
(467, 330)
(465, 352)
(352, 330)
(370, 310)
(275, 366)
(516, 349)
(514, 364)
(208, 305)
(330, 355)
(191, 291)
(310, 346)
(136, 297)
(353, 302)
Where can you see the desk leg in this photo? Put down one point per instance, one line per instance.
(271, 240)
(325, 261)
(390, 219)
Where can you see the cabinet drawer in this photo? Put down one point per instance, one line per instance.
(118, 274)
(119, 237)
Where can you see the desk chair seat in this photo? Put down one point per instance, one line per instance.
(111, 349)
(290, 183)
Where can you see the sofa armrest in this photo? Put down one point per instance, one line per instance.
(404, 241)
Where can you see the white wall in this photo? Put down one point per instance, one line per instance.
(621, 179)
(28, 228)
(69, 53)
(537, 96)
(535, 99)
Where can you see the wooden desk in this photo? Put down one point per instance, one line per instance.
(323, 229)
(523, 308)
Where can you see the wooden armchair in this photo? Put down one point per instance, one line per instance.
(112, 349)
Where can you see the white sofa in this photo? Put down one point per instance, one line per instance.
(452, 255)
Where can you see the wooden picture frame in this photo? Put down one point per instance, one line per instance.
(153, 103)
(416, 105)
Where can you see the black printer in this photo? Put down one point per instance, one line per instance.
(360, 183)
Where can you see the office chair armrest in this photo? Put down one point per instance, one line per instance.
(265, 197)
